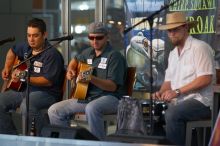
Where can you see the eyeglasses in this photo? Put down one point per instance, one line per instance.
(96, 37)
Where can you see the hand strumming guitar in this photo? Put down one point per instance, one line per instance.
(5, 73)
(72, 70)
(14, 76)
(71, 74)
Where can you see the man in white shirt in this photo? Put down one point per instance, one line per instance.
(188, 79)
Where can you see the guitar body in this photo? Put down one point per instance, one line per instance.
(17, 85)
(80, 89)
(10, 84)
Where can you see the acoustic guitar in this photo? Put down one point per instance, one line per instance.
(79, 90)
(10, 83)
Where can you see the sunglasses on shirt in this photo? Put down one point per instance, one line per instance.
(96, 37)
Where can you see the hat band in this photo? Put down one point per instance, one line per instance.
(176, 23)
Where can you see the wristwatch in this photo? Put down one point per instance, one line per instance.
(178, 92)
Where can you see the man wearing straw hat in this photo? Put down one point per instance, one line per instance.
(188, 79)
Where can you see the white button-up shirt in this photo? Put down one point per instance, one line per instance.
(196, 59)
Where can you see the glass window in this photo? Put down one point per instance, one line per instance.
(115, 18)
(82, 14)
(50, 12)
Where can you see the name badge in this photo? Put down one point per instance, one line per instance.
(38, 64)
(89, 61)
(102, 65)
(103, 60)
(36, 69)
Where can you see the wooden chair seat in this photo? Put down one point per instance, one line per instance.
(106, 117)
(81, 117)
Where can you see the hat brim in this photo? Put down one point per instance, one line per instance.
(191, 24)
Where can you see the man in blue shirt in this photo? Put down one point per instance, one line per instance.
(44, 68)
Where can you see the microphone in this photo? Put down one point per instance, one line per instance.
(10, 39)
(69, 37)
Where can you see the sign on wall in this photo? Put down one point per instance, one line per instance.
(138, 43)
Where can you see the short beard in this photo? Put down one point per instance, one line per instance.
(176, 43)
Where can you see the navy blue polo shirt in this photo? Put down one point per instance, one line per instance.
(109, 65)
(49, 64)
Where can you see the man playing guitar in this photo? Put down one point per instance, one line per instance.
(105, 84)
(45, 67)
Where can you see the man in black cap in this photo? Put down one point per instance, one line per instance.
(105, 84)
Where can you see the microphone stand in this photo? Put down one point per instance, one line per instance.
(25, 122)
(150, 21)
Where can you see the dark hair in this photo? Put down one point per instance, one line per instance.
(39, 23)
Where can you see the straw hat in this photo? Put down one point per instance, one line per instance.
(176, 19)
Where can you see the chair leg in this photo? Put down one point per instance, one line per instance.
(23, 125)
(200, 136)
(204, 135)
(201, 131)
(106, 127)
(188, 140)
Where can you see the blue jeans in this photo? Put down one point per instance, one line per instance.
(10, 100)
(60, 113)
(176, 117)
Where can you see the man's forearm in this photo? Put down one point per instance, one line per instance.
(104, 84)
(197, 84)
(40, 81)
(165, 86)
(73, 64)
(10, 58)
